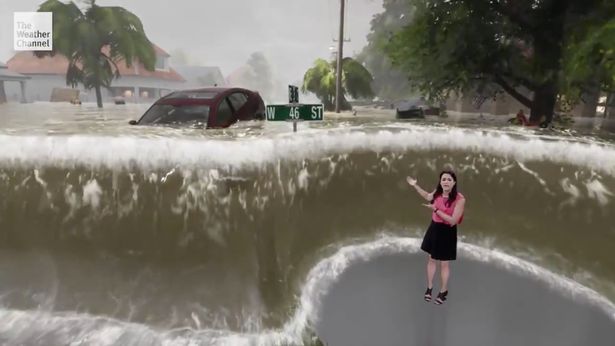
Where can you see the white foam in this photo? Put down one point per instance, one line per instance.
(66, 151)
(572, 190)
(104, 331)
(326, 272)
(92, 193)
(532, 173)
(598, 191)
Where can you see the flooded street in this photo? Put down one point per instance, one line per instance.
(120, 234)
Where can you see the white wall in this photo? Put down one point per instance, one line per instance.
(39, 87)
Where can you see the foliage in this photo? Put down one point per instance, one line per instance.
(591, 56)
(524, 47)
(94, 42)
(389, 83)
(320, 80)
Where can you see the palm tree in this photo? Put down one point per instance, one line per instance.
(320, 79)
(94, 42)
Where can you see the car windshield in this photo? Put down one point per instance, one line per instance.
(170, 114)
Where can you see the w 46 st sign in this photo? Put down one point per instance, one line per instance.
(294, 112)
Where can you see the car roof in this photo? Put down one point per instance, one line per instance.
(205, 96)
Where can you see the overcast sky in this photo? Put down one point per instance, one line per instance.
(291, 33)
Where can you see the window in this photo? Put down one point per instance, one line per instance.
(161, 62)
(225, 113)
(169, 114)
(238, 100)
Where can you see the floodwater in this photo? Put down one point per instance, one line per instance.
(112, 234)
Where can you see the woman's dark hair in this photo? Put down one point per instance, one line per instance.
(452, 195)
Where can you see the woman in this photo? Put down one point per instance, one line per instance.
(440, 240)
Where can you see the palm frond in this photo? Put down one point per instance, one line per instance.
(123, 33)
(65, 16)
(95, 41)
(357, 79)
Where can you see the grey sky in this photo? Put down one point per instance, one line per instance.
(291, 33)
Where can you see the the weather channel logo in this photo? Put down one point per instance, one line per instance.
(33, 31)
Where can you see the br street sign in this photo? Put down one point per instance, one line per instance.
(294, 112)
(293, 94)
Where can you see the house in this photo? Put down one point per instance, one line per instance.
(136, 84)
(10, 76)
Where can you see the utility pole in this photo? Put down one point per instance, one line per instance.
(340, 55)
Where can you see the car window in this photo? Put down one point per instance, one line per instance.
(238, 99)
(224, 114)
(170, 114)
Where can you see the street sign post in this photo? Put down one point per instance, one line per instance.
(294, 113)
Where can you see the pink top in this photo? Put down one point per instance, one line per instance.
(440, 203)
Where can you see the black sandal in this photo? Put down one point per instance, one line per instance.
(441, 298)
(428, 295)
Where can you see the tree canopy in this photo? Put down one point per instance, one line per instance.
(530, 49)
(320, 79)
(389, 82)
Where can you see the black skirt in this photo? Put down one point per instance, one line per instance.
(440, 241)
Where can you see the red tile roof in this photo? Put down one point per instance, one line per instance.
(28, 63)
(160, 51)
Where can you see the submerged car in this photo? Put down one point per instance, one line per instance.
(209, 107)
(417, 108)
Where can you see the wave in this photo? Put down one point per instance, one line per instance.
(72, 328)
(151, 153)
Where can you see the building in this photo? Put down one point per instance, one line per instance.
(10, 76)
(136, 84)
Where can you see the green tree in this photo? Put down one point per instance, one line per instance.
(598, 44)
(320, 80)
(521, 46)
(95, 40)
(591, 56)
(389, 82)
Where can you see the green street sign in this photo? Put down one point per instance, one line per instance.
(294, 112)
